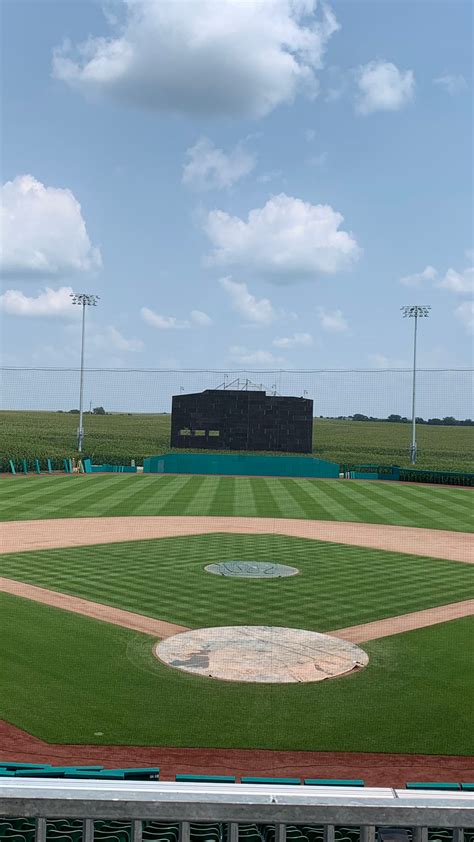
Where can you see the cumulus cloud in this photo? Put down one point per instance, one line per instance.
(210, 168)
(162, 322)
(49, 302)
(258, 311)
(109, 337)
(200, 318)
(43, 231)
(332, 320)
(465, 314)
(202, 57)
(459, 282)
(242, 355)
(451, 83)
(303, 339)
(286, 241)
(429, 273)
(382, 361)
(383, 87)
(153, 319)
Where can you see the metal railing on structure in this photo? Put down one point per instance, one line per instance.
(372, 810)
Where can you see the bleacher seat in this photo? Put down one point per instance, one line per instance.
(207, 779)
(251, 780)
(333, 782)
(432, 785)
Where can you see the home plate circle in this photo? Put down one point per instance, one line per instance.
(261, 654)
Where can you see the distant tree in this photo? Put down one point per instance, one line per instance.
(448, 420)
(98, 410)
(359, 417)
(395, 418)
(76, 411)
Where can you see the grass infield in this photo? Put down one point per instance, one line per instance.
(338, 585)
(88, 677)
(437, 507)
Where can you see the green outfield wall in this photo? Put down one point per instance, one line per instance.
(240, 464)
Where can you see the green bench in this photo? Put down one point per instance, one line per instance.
(333, 782)
(433, 785)
(205, 779)
(270, 781)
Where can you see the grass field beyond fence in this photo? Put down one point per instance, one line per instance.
(118, 438)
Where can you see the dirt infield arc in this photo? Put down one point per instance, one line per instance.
(21, 536)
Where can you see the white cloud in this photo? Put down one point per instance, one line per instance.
(382, 361)
(429, 273)
(200, 318)
(286, 241)
(303, 339)
(245, 357)
(458, 281)
(259, 311)
(383, 87)
(332, 320)
(43, 231)
(465, 314)
(110, 337)
(451, 83)
(49, 302)
(197, 317)
(309, 135)
(162, 322)
(209, 168)
(200, 57)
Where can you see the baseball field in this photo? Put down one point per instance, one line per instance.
(97, 569)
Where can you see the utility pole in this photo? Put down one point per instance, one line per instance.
(414, 311)
(84, 300)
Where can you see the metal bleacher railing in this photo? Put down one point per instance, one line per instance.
(230, 812)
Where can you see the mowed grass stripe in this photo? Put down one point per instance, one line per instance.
(325, 497)
(375, 510)
(286, 503)
(221, 496)
(415, 506)
(130, 496)
(441, 502)
(203, 502)
(243, 498)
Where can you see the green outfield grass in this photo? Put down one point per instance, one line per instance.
(85, 677)
(437, 507)
(118, 438)
(338, 585)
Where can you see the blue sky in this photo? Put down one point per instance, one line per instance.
(245, 183)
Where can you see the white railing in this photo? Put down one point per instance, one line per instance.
(367, 808)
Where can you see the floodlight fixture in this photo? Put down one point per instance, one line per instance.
(414, 311)
(84, 299)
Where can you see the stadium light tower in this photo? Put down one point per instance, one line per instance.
(414, 311)
(84, 300)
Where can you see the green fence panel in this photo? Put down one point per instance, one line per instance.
(240, 465)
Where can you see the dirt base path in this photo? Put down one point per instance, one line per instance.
(375, 769)
(162, 629)
(20, 536)
(106, 613)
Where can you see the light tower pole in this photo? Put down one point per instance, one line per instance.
(414, 311)
(84, 300)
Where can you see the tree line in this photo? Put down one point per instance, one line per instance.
(447, 421)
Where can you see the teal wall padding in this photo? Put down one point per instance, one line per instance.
(240, 464)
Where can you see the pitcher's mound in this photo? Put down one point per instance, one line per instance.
(268, 654)
(251, 569)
